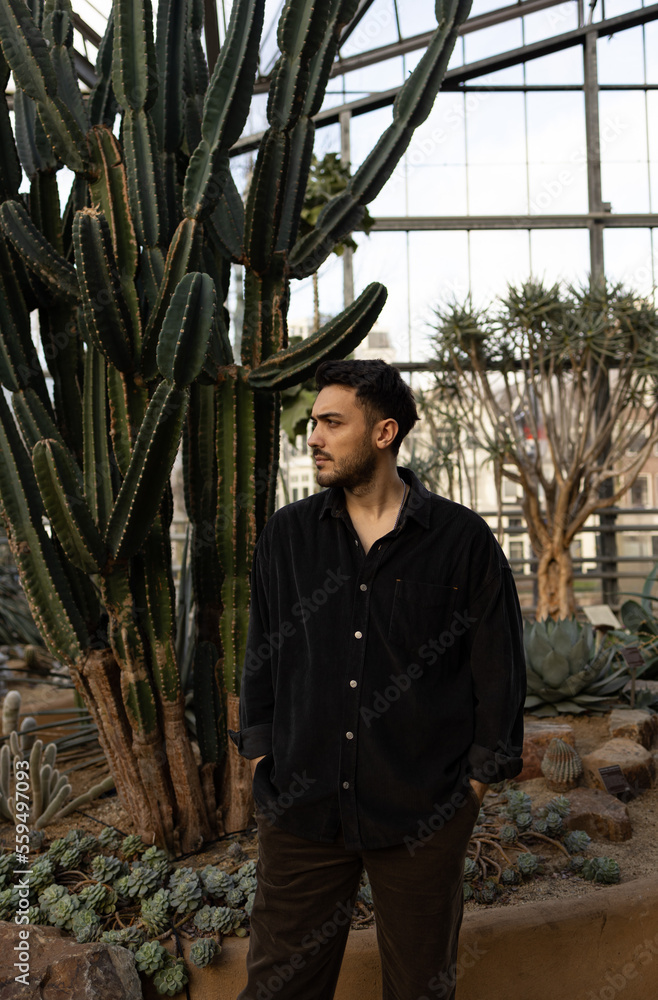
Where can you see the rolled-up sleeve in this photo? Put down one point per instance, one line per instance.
(256, 688)
(499, 679)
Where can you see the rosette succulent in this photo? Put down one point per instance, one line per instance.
(142, 881)
(86, 925)
(510, 876)
(577, 841)
(601, 870)
(227, 920)
(42, 873)
(49, 897)
(8, 902)
(216, 882)
(523, 821)
(576, 863)
(235, 897)
(151, 957)
(171, 979)
(157, 860)
(132, 846)
(507, 834)
(566, 672)
(471, 870)
(554, 824)
(109, 838)
(155, 912)
(107, 868)
(528, 864)
(185, 891)
(128, 937)
(205, 919)
(99, 897)
(71, 858)
(469, 892)
(57, 848)
(60, 913)
(203, 951)
(7, 864)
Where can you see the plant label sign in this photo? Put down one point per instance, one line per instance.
(615, 782)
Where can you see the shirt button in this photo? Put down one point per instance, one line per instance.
(352, 684)
(346, 784)
(358, 635)
(350, 736)
(364, 586)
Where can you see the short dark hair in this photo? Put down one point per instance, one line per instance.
(380, 388)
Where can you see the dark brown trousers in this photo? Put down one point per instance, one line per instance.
(304, 900)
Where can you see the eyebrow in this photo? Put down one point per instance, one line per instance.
(324, 416)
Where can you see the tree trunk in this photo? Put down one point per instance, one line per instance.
(555, 584)
(238, 803)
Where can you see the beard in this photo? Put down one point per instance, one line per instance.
(354, 471)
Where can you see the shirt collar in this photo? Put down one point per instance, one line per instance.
(417, 504)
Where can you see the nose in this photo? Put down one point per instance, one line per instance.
(313, 440)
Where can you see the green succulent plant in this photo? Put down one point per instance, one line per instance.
(576, 863)
(577, 841)
(132, 846)
(99, 897)
(471, 870)
(107, 867)
(128, 937)
(604, 870)
(109, 839)
(554, 824)
(185, 890)
(151, 957)
(528, 864)
(143, 881)
(60, 913)
(227, 920)
(42, 873)
(523, 821)
(468, 892)
(565, 670)
(171, 979)
(86, 925)
(510, 876)
(202, 952)
(216, 882)
(508, 834)
(8, 902)
(49, 897)
(155, 912)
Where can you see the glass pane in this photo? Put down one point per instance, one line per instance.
(559, 67)
(623, 124)
(495, 125)
(557, 153)
(621, 56)
(377, 27)
(497, 258)
(553, 21)
(417, 17)
(651, 47)
(497, 189)
(625, 186)
(490, 41)
(628, 258)
(560, 255)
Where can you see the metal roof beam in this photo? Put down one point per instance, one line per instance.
(460, 74)
(391, 224)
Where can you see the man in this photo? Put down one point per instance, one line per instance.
(383, 688)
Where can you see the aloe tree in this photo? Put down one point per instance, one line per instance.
(127, 283)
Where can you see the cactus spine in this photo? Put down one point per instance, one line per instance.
(129, 280)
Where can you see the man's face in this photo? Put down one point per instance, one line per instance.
(342, 445)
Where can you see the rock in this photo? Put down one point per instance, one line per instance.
(642, 685)
(59, 967)
(634, 724)
(599, 814)
(538, 734)
(636, 762)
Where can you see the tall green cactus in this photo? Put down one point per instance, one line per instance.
(129, 282)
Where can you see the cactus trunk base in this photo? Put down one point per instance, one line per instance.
(176, 815)
(238, 805)
(195, 821)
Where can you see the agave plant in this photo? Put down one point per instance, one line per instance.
(128, 284)
(566, 672)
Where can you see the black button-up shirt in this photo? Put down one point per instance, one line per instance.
(376, 684)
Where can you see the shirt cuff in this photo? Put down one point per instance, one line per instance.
(256, 741)
(490, 766)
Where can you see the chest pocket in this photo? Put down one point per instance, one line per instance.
(421, 611)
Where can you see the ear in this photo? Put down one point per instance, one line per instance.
(385, 432)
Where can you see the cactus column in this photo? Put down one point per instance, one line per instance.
(129, 283)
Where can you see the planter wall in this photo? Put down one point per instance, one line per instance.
(595, 947)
